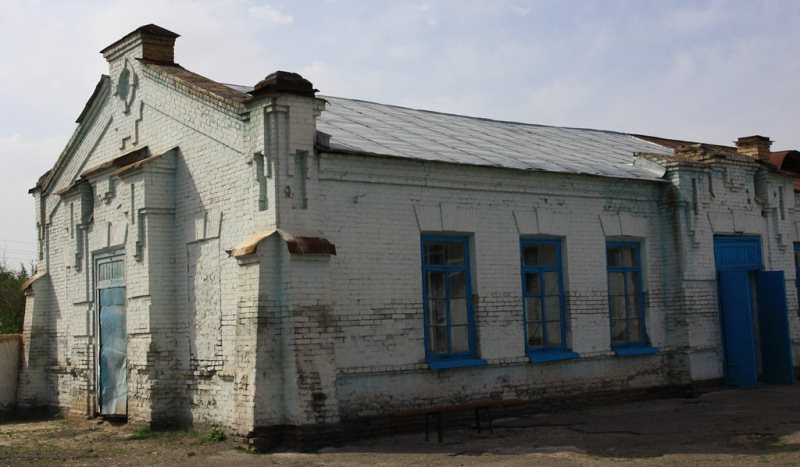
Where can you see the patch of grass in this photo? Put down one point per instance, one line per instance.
(216, 435)
(782, 447)
(143, 433)
(16, 449)
(46, 448)
(251, 452)
(780, 443)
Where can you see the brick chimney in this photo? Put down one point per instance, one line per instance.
(283, 82)
(755, 147)
(150, 42)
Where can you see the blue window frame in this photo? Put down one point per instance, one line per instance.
(543, 300)
(447, 302)
(625, 295)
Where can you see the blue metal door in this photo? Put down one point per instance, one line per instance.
(112, 357)
(113, 353)
(740, 361)
(773, 320)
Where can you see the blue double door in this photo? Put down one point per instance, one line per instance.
(754, 315)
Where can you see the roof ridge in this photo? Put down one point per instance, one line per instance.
(238, 87)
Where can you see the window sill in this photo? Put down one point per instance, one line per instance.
(541, 356)
(634, 351)
(444, 364)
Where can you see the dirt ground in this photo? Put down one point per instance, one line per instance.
(730, 427)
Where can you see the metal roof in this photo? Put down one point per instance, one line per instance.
(367, 127)
(363, 127)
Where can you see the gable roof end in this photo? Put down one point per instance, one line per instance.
(85, 119)
(104, 80)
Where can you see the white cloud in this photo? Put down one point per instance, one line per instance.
(270, 13)
(560, 101)
(427, 12)
(694, 18)
(316, 68)
(321, 77)
(520, 10)
(405, 51)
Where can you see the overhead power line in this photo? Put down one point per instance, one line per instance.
(16, 241)
(14, 250)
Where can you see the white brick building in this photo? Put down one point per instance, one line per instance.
(188, 272)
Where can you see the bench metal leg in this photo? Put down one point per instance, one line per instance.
(440, 423)
(426, 426)
(478, 419)
(439, 426)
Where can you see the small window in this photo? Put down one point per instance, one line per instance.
(625, 294)
(447, 302)
(543, 300)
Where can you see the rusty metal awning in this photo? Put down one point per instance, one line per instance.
(121, 161)
(301, 244)
(28, 283)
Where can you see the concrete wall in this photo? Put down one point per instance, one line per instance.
(9, 366)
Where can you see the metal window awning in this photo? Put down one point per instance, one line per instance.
(300, 244)
(29, 283)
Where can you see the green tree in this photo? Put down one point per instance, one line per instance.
(12, 298)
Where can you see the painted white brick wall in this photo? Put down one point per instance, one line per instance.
(373, 208)
(277, 339)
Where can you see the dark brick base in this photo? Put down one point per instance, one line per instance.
(308, 438)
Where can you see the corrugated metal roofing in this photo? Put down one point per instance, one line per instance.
(368, 127)
(371, 128)
(239, 87)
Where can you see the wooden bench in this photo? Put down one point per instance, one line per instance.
(439, 410)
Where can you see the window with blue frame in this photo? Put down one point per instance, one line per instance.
(797, 271)
(543, 300)
(625, 294)
(447, 291)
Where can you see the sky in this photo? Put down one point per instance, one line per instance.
(708, 71)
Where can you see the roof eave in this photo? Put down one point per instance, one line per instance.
(356, 152)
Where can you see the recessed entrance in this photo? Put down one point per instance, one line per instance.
(753, 312)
